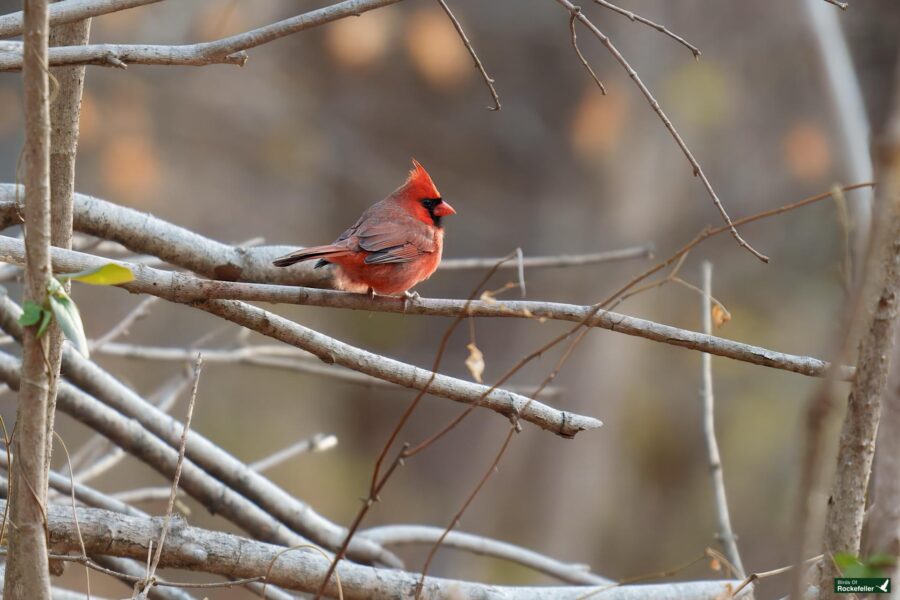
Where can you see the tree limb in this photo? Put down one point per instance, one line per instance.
(392, 535)
(330, 350)
(881, 285)
(64, 121)
(69, 12)
(178, 287)
(212, 461)
(220, 553)
(27, 576)
(229, 49)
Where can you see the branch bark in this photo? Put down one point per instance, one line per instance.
(143, 233)
(197, 549)
(393, 535)
(725, 533)
(178, 287)
(230, 49)
(128, 434)
(69, 12)
(64, 120)
(846, 507)
(883, 523)
(27, 576)
(218, 467)
(330, 350)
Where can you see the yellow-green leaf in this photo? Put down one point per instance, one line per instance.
(108, 274)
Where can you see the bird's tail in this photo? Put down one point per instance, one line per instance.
(321, 252)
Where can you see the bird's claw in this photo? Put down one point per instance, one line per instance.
(407, 296)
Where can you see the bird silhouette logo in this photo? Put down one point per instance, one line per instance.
(884, 586)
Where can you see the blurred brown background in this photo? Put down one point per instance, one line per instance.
(316, 127)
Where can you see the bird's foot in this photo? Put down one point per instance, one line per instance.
(407, 296)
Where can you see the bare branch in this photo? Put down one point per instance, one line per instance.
(326, 348)
(182, 288)
(83, 493)
(27, 576)
(65, 112)
(881, 282)
(69, 12)
(121, 328)
(698, 171)
(230, 49)
(557, 261)
(393, 535)
(465, 40)
(840, 5)
(317, 443)
(726, 533)
(232, 556)
(209, 457)
(883, 516)
(581, 57)
(170, 506)
(638, 18)
(118, 56)
(269, 356)
(151, 450)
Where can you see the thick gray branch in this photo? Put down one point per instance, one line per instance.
(143, 233)
(847, 506)
(69, 12)
(168, 285)
(197, 549)
(226, 50)
(131, 436)
(214, 461)
(184, 288)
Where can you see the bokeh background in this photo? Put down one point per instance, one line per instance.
(293, 146)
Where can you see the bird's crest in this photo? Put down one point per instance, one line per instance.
(419, 183)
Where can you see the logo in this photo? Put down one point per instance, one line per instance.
(862, 585)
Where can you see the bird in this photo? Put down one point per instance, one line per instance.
(395, 244)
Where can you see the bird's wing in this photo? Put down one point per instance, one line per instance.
(395, 241)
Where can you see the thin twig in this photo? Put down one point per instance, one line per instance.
(198, 367)
(465, 40)
(698, 171)
(581, 57)
(87, 572)
(840, 5)
(122, 327)
(391, 535)
(726, 533)
(69, 12)
(230, 50)
(268, 356)
(378, 481)
(317, 443)
(638, 18)
(514, 428)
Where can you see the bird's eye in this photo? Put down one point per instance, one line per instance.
(430, 203)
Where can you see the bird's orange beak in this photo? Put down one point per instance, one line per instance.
(443, 209)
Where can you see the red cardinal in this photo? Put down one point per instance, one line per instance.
(394, 245)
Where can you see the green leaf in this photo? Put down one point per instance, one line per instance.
(108, 274)
(46, 317)
(69, 320)
(31, 313)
